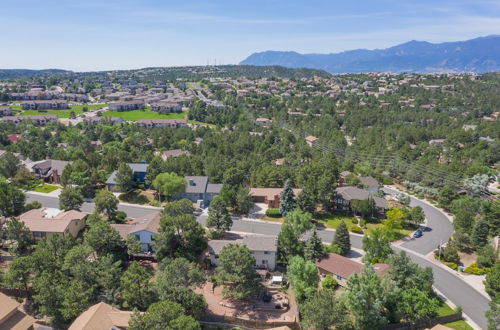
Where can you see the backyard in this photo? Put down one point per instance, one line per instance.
(143, 114)
(445, 310)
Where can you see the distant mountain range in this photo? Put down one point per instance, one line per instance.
(476, 55)
(18, 73)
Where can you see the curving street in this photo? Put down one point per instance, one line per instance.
(473, 303)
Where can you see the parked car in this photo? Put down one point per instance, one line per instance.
(418, 233)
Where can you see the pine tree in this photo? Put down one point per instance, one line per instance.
(124, 177)
(287, 199)
(305, 202)
(480, 234)
(342, 239)
(314, 248)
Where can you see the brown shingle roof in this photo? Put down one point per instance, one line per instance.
(345, 267)
(101, 316)
(37, 221)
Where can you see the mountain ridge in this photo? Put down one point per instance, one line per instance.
(475, 55)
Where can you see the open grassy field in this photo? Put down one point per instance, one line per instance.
(77, 109)
(143, 114)
(45, 188)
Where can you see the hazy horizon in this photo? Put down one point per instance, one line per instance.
(123, 34)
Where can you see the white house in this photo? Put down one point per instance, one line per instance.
(264, 249)
(143, 228)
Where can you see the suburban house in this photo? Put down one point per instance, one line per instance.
(142, 228)
(174, 153)
(198, 189)
(166, 107)
(370, 184)
(5, 111)
(262, 121)
(345, 195)
(45, 221)
(269, 196)
(45, 105)
(49, 170)
(340, 267)
(103, 120)
(127, 106)
(311, 140)
(38, 120)
(264, 249)
(101, 316)
(12, 315)
(152, 123)
(139, 171)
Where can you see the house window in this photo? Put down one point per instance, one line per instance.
(138, 237)
(267, 252)
(216, 256)
(339, 278)
(37, 234)
(264, 262)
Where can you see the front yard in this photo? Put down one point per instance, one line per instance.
(445, 310)
(45, 188)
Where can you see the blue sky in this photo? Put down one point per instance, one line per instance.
(90, 35)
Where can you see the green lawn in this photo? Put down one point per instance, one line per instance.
(77, 109)
(332, 220)
(143, 114)
(45, 188)
(458, 325)
(444, 309)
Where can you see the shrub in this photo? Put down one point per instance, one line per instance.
(329, 282)
(362, 222)
(452, 265)
(354, 221)
(333, 248)
(474, 269)
(273, 213)
(357, 229)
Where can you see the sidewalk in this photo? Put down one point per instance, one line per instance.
(475, 281)
(54, 193)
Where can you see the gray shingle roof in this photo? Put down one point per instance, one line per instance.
(196, 184)
(253, 242)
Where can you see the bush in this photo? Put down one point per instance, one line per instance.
(273, 213)
(362, 222)
(329, 282)
(452, 265)
(333, 248)
(354, 221)
(475, 270)
(357, 229)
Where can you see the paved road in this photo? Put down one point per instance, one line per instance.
(132, 211)
(438, 232)
(455, 289)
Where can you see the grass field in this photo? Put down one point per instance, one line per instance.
(45, 188)
(143, 114)
(77, 109)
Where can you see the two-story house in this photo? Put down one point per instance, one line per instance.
(142, 228)
(264, 249)
(139, 171)
(46, 221)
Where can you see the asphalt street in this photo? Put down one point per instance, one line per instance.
(451, 286)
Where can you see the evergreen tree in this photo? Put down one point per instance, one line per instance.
(124, 178)
(287, 199)
(218, 216)
(342, 239)
(480, 234)
(306, 202)
(314, 248)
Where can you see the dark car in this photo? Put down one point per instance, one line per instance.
(267, 297)
(417, 234)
